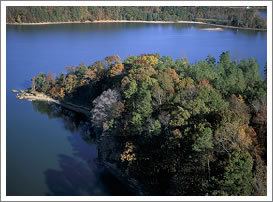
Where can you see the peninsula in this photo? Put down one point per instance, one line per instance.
(173, 127)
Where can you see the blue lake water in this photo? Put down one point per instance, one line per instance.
(46, 155)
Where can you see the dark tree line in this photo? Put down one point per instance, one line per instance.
(233, 16)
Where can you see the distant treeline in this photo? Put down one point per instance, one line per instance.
(232, 16)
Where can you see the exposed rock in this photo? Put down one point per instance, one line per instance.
(15, 91)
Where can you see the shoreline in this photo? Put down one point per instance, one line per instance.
(138, 21)
(36, 96)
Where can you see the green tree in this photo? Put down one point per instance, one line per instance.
(131, 88)
(238, 177)
(202, 138)
(204, 71)
(207, 100)
(42, 83)
(154, 127)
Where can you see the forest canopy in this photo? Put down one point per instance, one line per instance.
(232, 16)
(175, 127)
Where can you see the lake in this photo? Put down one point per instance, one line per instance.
(47, 153)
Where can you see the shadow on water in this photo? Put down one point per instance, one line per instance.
(74, 178)
(79, 174)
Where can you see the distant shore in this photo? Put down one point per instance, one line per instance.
(138, 21)
(108, 21)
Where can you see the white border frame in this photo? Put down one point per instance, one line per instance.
(4, 4)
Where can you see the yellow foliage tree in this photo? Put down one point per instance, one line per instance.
(128, 154)
(117, 69)
(148, 60)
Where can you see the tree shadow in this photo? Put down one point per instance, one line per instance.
(78, 178)
(75, 178)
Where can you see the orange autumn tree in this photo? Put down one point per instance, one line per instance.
(117, 69)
